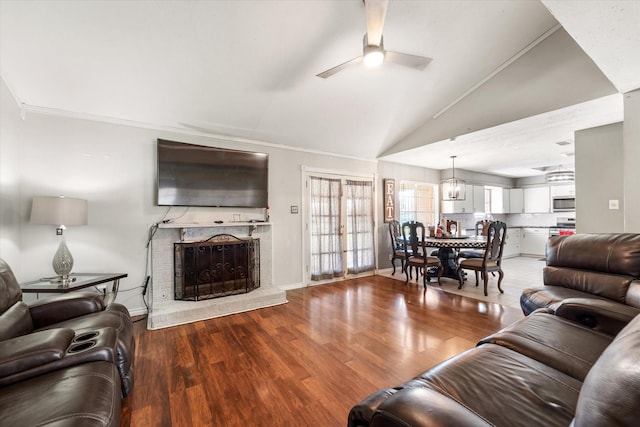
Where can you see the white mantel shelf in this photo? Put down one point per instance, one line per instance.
(211, 224)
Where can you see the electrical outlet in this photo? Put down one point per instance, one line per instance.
(614, 204)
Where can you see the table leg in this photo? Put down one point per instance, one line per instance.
(449, 263)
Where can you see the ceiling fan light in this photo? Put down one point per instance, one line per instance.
(373, 56)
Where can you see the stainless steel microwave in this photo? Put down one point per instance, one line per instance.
(564, 203)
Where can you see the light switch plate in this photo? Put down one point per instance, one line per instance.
(294, 209)
(614, 204)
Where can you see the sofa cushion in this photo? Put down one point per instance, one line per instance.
(564, 345)
(610, 394)
(83, 395)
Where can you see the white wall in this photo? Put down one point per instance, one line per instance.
(114, 167)
(631, 149)
(10, 214)
(599, 178)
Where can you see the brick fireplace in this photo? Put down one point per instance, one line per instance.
(165, 310)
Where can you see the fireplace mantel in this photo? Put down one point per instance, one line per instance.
(211, 224)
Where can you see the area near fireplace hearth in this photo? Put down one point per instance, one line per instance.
(166, 311)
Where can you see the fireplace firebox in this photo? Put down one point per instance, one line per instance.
(220, 266)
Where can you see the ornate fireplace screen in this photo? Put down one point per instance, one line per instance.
(220, 266)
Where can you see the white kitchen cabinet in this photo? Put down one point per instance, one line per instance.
(501, 205)
(496, 200)
(478, 198)
(534, 241)
(562, 190)
(537, 200)
(516, 200)
(460, 206)
(512, 243)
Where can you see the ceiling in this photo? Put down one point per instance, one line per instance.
(508, 80)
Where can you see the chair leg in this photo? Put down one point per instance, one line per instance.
(460, 273)
(393, 264)
(476, 277)
(500, 276)
(486, 283)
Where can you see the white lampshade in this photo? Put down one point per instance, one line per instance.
(59, 211)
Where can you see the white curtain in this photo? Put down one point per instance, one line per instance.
(359, 227)
(326, 247)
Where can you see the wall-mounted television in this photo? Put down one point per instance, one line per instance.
(197, 175)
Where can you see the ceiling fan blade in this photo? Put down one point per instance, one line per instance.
(376, 11)
(331, 71)
(406, 60)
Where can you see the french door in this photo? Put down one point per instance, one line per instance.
(341, 226)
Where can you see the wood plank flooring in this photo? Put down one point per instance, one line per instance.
(304, 363)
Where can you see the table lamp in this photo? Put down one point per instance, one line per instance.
(61, 211)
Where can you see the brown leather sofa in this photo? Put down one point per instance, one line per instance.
(543, 370)
(593, 279)
(571, 362)
(64, 360)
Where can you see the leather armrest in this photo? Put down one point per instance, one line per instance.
(601, 315)
(423, 406)
(49, 311)
(29, 351)
(360, 414)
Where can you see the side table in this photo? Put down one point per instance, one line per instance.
(82, 281)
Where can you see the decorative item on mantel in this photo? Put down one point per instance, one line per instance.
(453, 188)
(61, 211)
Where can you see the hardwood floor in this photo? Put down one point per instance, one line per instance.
(306, 362)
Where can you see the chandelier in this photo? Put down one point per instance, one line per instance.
(560, 176)
(453, 188)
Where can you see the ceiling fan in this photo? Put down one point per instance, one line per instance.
(373, 53)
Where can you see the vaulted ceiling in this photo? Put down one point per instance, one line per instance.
(513, 77)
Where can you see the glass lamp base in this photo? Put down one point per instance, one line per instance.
(62, 262)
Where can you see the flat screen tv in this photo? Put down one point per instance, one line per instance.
(197, 175)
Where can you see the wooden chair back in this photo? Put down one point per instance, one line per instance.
(496, 236)
(482, 227)
(413, 234)
(395, 234)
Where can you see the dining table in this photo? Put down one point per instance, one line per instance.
(447, 251)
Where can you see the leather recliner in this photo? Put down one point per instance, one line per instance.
(593, 279)
(63, 331)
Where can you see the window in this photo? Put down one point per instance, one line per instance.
(418, 202)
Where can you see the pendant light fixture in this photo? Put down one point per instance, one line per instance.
(560, 176)
(453, 188)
